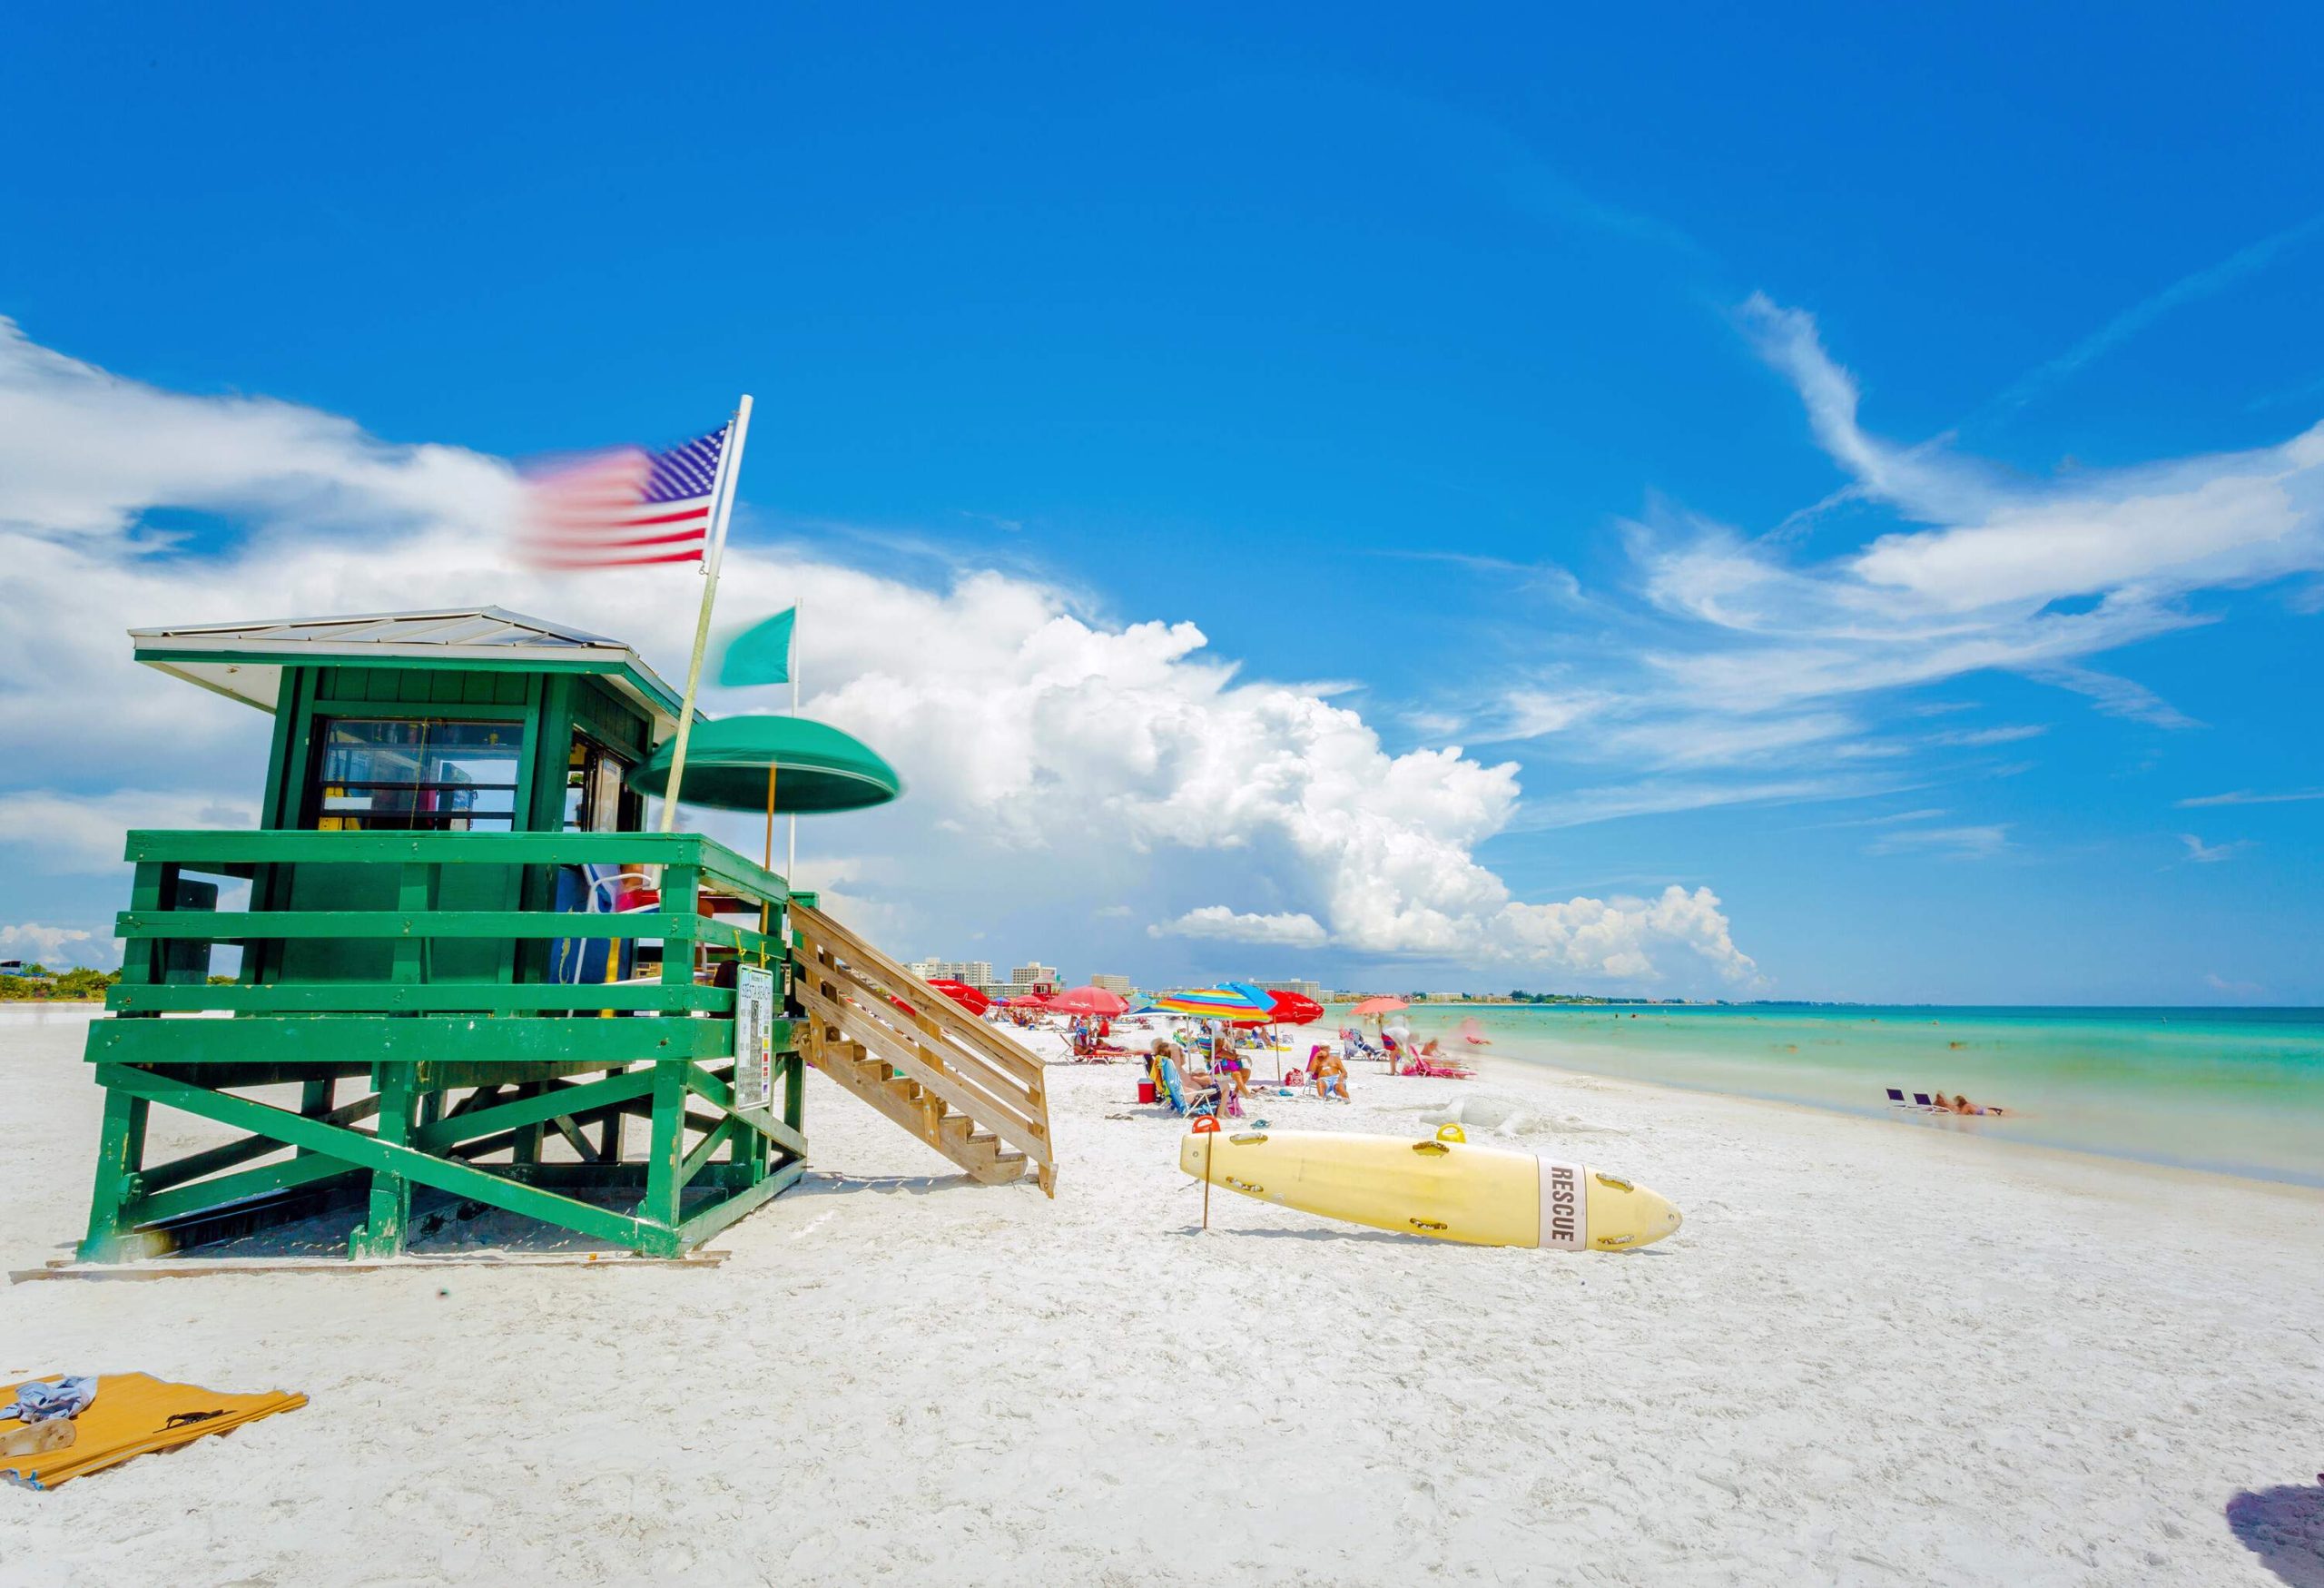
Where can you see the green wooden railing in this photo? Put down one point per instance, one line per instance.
(155, 981)
(466, 1060)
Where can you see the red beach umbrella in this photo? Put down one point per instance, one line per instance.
(1094, 1000)
(1292, 1010)
(1025, 1001)
(961, 993)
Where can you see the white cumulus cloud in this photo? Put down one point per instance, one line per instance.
(1051, 754)
(1216, 921)
(31, 940)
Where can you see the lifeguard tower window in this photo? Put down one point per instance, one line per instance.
(405, 775)
(594, 796)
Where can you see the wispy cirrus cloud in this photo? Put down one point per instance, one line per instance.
(2191, 288)
(2244, 796)
(2203, 854)
(1982, 841)
(1739, 670)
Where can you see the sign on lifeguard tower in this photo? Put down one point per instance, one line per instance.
(753, 1037)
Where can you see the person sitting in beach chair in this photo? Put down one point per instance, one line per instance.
(1180, 1094)
(1330, 1074)
(1228, 1066)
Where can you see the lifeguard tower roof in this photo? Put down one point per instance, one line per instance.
(244, 661)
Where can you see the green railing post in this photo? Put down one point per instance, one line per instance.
(153, 887)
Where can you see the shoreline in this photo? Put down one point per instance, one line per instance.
(1571, 1074)
(1970, 1140)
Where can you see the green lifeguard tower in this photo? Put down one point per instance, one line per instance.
(453, 913)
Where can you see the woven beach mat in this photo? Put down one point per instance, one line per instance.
(134, 1414)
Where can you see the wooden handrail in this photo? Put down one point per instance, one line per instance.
(847, 983)
(932, 1006)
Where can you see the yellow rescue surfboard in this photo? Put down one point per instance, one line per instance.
(1440, 1187)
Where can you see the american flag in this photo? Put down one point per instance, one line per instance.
(623, 506)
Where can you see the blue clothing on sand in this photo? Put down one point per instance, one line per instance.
(43, 1403)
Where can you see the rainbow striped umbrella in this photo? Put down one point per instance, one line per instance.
(1226, 1003)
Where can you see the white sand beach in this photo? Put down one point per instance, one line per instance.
(1873, 1354)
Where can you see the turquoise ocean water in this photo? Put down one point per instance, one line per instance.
(2240, 1091)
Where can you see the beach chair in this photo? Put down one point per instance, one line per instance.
(1181, 1098)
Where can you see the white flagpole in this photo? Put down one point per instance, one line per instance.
(722, 506)
(791, 861)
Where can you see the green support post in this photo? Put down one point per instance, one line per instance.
(527, 1150)
(121, 1153)
(664, 1157)
(381, 1235)
(315, 1100)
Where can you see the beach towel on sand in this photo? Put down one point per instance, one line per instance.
(134, 1412)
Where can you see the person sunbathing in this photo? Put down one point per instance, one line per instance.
(1331, 1075)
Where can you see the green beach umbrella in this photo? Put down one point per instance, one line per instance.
(815, 767)
(774, 763)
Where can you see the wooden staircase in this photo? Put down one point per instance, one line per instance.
(957, 1083)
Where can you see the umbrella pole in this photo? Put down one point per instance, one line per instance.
(1205, 1176)
(766, 907)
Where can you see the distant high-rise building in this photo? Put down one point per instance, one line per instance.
(977, 973)
(1119, 985)
(1304, 988)
(1033, 978)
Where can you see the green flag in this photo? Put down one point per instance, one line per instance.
(760, 654)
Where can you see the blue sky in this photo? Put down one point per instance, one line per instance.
(1533, 382)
